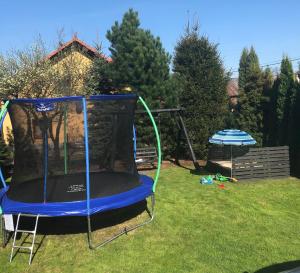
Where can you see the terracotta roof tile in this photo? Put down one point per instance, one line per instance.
(75, 39)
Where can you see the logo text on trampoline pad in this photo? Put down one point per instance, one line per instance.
(44, 107)
(76, 188)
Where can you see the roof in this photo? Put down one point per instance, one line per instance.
(232, 88)
(92, 52)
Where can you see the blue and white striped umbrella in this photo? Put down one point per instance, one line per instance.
(232, 137)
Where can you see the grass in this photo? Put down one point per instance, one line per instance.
(198, 228)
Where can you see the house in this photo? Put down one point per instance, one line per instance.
(78, 48)
(75, 56)
(232, 92)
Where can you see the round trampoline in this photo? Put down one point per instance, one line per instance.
(75, 156)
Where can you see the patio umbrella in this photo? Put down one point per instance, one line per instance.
(232, 137)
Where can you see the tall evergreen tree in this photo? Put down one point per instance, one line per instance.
(251, 97)
(140, 64)
(199, 68)
(267, 105)
(285, 99)
(100, 78)
(295, 141)
(243, 68)
(138, 59)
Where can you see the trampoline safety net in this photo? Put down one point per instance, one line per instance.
(49, 144)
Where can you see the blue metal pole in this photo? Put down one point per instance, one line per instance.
(45, 164)
(134, 142)
(87, 163)
(2, 179)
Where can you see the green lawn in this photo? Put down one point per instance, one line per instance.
(242, 228)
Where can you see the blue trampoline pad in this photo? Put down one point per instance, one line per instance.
(79, 208)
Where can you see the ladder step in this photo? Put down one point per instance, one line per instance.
(26, 247)
(25, 231)
(33, 232)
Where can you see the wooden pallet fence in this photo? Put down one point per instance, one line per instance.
(267, 162)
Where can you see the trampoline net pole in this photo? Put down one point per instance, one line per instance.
(45, 163)
(157, 140)
(65, 140)
(134, 142)
(86, 143)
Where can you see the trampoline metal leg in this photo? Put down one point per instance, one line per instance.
(125, 231)
(5, 234)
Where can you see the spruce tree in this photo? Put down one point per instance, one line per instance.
(295, 141)
(267, 105)
(285, 100)
(200, 71)
(243, 68)
(99, 80)
(251, 98)
(139, 64)
(138, 59)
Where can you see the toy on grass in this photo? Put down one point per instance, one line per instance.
(223, 178)
(206, 180)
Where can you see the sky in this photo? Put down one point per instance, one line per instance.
(272, 27)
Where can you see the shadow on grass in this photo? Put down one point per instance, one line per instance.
(192, 169)
(202, 171)
(78, 224)
(25, 243)
(286, 267)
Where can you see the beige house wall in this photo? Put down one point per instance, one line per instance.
(75, 61)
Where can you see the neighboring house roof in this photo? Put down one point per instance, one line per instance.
(232, 88)
(89, 50)
(233, 91)
(297, 76)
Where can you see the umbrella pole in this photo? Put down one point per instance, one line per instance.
(231, 161)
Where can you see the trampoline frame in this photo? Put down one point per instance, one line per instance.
(122, 232)
(91, 243)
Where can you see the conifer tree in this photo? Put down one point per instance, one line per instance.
(138, 59)
(251, 96)
(267, 105)
(100, 78)
(199, 68)
(243, 68)
(139, 64)
(285, 99)
(295, 141)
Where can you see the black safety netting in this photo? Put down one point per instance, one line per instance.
(49, 149)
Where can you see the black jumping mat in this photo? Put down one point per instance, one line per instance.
(72, 187)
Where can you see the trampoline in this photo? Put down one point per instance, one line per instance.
(75, 156)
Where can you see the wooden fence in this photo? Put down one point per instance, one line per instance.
(268, 162)
(252, 163)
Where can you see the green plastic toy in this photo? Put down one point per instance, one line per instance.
(223, 178)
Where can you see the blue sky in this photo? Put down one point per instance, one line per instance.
(272, 27)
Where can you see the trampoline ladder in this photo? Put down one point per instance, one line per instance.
(29, 232)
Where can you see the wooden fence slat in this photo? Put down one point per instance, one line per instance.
(264, 162)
